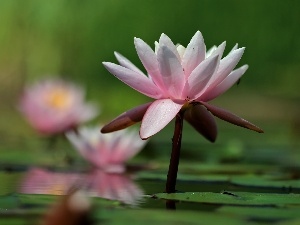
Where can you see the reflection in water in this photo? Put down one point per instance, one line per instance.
(97, 184)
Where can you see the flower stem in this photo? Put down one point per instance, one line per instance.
(175, 155)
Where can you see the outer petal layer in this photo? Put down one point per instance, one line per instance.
(135, 80)
(158, 115)
(126, 119)
(225, 84)
(230, 117)
(126, 63)
(149, 60)
(202, 121)
(227, 64)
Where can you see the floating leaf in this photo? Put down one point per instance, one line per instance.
(234, 198)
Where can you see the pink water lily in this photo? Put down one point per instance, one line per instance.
(53, 106)
(108, 152)
(180, 80)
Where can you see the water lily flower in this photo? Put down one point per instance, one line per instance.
(54, 106)
(106, 151)
(180, 80)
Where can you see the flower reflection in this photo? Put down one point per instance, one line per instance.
(96, 183)
(54, 106)
(114, 186)
(106, 151)
(40, 181)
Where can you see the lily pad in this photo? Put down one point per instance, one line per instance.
(261, 213)
(235, 198)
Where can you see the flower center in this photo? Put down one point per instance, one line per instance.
(58, 98)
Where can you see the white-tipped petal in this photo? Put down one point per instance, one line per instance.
(231, 79)
(149, 60)
(135, 80)
(171, 71)
(209, 51)
(126, 63)
(219, 50)
(164, 40)
(156, 46)
(227, 64)
(200, 76)
(180, 50)
(235, 47)
(157, 116)
(194, 53)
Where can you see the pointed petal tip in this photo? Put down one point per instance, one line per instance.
(143, 137)
(245, 67)
(254, 128)
(107, 129)
(223, 43)
(103, 130)
(136, 39)
(241, 50)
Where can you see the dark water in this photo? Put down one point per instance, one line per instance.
(125, 188)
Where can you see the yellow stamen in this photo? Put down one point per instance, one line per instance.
(58, 98)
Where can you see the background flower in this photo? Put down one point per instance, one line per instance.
(54, 106)
(106, 151)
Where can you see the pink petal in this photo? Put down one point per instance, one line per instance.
(133, 79)
(231, 79)
(164, 40)
(171, 71)
(219, 50)
(126, 119)
(235, 47)
(227, 64)
(202, 121)
(200, 76)
(126, 63)
(157, 116)
(149, 60)
(194, 53)
(230, 117)
(210, 51)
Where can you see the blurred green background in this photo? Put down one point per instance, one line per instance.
(70, 38)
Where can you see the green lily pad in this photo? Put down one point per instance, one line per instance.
(261, 213)
(266, 182)
(235, 198)
(165, 217)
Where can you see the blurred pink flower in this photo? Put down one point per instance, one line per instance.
(96, 184)
(54, 106)
(179, 78)
(106, 151)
